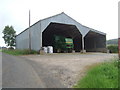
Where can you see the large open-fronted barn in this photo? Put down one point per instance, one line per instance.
(42, 32)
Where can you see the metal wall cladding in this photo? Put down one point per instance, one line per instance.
(36, 37)
(22, 40)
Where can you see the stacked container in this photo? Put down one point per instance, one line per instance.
(49, 49)
(45, 49)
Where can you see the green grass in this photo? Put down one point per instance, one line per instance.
(19, 52)
(104, 75)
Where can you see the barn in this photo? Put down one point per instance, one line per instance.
(41, 33)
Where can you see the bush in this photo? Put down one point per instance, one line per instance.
(113, 48)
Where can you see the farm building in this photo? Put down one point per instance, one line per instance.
(42, 32)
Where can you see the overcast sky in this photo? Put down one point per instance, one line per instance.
(101, 15)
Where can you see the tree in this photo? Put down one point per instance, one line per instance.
(9, 36)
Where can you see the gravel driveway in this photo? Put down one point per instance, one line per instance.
(67, 67)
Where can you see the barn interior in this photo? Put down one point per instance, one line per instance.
(71, 31)
(95, 42)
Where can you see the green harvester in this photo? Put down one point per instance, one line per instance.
(63, 44)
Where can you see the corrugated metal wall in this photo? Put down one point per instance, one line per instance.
(22, 40)
(35, 37)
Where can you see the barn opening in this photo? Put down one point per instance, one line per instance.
(95, 42)
(66, 30)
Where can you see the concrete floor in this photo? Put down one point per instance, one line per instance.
(67, 67)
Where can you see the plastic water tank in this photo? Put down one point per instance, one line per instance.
(50, 49)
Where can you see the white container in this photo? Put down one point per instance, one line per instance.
(45, 49)
(50, 49)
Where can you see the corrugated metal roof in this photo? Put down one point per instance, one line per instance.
(91, 29)
(39, 21)
(69, 17)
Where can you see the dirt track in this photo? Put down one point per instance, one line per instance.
(69, 67)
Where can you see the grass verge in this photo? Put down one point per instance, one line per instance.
(104, 75)
(19, 52)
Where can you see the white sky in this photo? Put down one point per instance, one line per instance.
(101, 15)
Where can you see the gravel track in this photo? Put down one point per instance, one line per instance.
(66, 68)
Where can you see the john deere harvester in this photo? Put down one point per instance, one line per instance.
(63, 44)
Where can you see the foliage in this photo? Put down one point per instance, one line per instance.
(104, 75)
(112, 42)
(19, 52)
(9, 36)
(113, 48)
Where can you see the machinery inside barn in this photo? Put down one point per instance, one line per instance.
(63, 44)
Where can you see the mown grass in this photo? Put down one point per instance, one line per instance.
(19, 52)
(104, 75)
